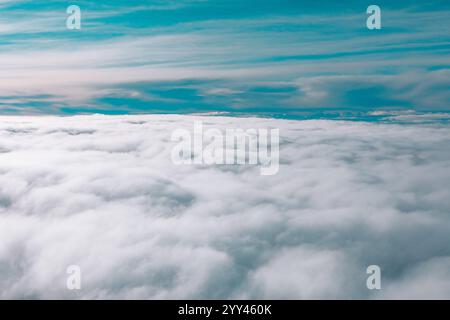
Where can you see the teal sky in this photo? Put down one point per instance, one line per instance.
(273, 57)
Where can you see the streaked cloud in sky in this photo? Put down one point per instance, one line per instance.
(242, 56)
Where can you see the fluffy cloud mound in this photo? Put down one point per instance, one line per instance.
(102, 193)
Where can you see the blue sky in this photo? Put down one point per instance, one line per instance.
(260, 57)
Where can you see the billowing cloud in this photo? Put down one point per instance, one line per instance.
(250, 48)
(102, 193)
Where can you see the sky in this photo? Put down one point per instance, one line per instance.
(100, 192)
(275, 57)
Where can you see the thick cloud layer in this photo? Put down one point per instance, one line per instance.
(102, 193)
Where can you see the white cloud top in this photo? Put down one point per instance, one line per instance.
(101, 192)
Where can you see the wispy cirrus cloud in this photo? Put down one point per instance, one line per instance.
(126, 45)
